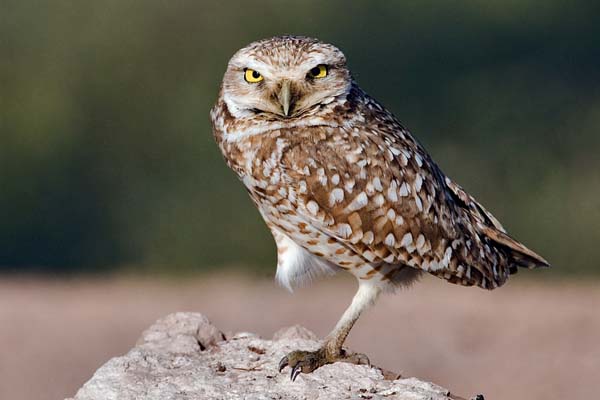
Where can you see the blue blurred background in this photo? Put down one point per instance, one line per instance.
(106, 154)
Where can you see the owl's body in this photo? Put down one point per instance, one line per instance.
(343, 186)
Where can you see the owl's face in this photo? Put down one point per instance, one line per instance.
(284, 77)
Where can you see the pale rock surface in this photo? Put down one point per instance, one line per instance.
(183, 356)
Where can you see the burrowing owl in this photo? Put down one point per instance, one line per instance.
(344, 186)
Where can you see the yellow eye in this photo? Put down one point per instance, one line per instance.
(252, 76)
(320, 71)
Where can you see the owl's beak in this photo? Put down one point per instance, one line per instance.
(285, 97)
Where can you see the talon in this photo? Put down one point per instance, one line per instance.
(283, 363)
(307, 361)
(295, 372)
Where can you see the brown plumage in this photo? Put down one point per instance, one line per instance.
(343, 185)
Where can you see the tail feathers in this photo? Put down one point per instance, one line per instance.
(521, 255)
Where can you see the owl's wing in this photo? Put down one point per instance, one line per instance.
(379, 194)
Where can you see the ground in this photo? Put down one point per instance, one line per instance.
(525, 340)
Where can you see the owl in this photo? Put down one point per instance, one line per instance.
(342, 185)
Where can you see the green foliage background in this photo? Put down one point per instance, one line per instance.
(106, 154)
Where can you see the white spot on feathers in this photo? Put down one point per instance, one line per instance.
(335, 179)
(418, 183)
(406, 240)
(312, 207)
(419, 203)
(303, 188)
(377, 184)
(419, 160)
(404, 189)
(345, 230)
(391, 214)
(390, 240)
(391, 192)
(336, 196)
(358, 202)
(420, 241)
(349, 185)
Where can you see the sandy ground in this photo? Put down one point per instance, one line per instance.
(524, 341)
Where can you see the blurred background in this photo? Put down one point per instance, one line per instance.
(112, 190)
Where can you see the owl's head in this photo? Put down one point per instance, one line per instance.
(284, 77)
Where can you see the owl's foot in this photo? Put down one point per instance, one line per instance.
(308, 361)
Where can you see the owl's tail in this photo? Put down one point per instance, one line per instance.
(521, 255)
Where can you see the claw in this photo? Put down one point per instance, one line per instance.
(306, 362)
(283, 363)
(295, 372)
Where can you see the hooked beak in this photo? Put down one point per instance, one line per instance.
(285, 97)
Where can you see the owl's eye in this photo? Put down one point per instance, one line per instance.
(320, 71)
(252, 76)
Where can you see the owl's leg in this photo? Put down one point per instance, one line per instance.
(332, 351)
